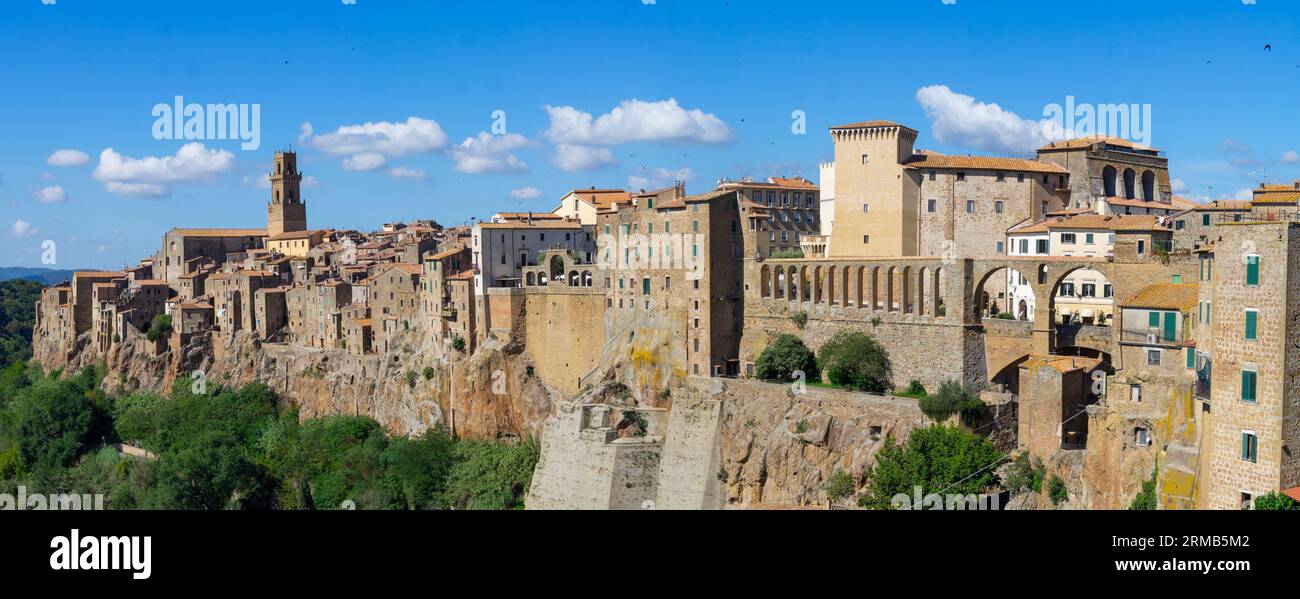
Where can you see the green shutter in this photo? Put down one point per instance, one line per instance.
(1153, 319)
(1205, 220)
(1248, 380)
(1252, 270)
(1245, 446)
(1171, 326)
(1191, 357)
(1251, 323)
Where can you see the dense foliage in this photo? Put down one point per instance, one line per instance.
(839, 486)
(235, 449)
(1276, 502)
(17, 316)
(854, 360)
(1146, 498)
(953, 398)
(939, 459)
(785, 356)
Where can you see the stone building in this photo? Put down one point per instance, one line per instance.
(1254, 405)
(182, 245)
(315, 313)
(1103, 169)
(583, 205)
(287, 211)
(793, 211)
(502, 250)
(1194, 226)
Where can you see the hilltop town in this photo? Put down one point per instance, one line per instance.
(1110, 328)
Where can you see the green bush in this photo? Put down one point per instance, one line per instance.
(780, 360)
(1146, 498)
(458, 343)
(854, 360)
(161, 325)
(429, 373)
(914, 390)
(411, 377)
(1056, 490)
(800, 319)
(1026, 475)
(839, 486)
(952, 398)
(788, 255)
(945, 459)
(1276, 502)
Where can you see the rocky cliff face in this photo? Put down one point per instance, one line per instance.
(485, 395)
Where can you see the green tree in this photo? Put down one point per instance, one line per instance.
(952, 398)
(17, 317)
(938, 459)
(491, 476)
(839, 486)
(780, 360)
(1275, 501)
(854, 360)
(161, 325)
(1056, 490)
(1146, 498)
(1026, 475)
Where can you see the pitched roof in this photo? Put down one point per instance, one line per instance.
(1091, 140)
(1102, 222)
(446, 254)
(221, 232)
(537, 224)
(1165, 296)
(603, 198)
(295, 235)
(933, 160)
(1148, 204)
(1061, 364)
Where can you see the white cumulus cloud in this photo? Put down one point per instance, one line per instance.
(414, 136)
(152, 176)
(51, 195)
(366, 161)
(636, 120)
(22, 228)
(68, 157)
(961, 120)
(526, 193)
(1290, 157)
(580, 158)
(659, 178)
(488, 153)
(403, 172)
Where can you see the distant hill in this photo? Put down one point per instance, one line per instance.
(47, 276)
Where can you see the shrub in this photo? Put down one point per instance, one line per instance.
(1276, 502)
(1006, 316)
(839, 486)
(914, 390)
(161, 325)
(788, 255)
(1026, 475)
(428, 373)
(1056, 490)
(1146, 498)
(854, 360)
(940, 458)
(951, 399)
(780, 360)
(411, 376)
(458, 343)
(800, 319)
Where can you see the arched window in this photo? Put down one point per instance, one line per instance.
(1108, 176)
(1149, 186)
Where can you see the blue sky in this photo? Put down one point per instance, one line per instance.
(84, 75)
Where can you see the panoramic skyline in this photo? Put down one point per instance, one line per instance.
(402, 110)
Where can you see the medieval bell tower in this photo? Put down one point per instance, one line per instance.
(287, 212)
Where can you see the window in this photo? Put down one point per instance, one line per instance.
(1249, 449)
(1153, 357)
(1179, 225)
(866, 207)
(1020, 178)
(1067, 290)
(1191, 358)
(1252, 270)
(931, 175)
(1001, 177)
(1088, 238)
(1108, 291)
(1135, 393)
(1040, 246)
(1205, 220)
(1249, 384)
(866, 239)
(970, 206)
(1142, 247)
(1142, 437)
(1088, 290)
(864, 159)
(1067, 238)
(1000, 247)
(961, 176)
(931, 205)
(1252, 324)
(997, 206)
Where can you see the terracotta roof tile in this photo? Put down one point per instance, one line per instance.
(1165, 296)
(928, 160)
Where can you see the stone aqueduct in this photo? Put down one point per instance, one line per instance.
(933, 290)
